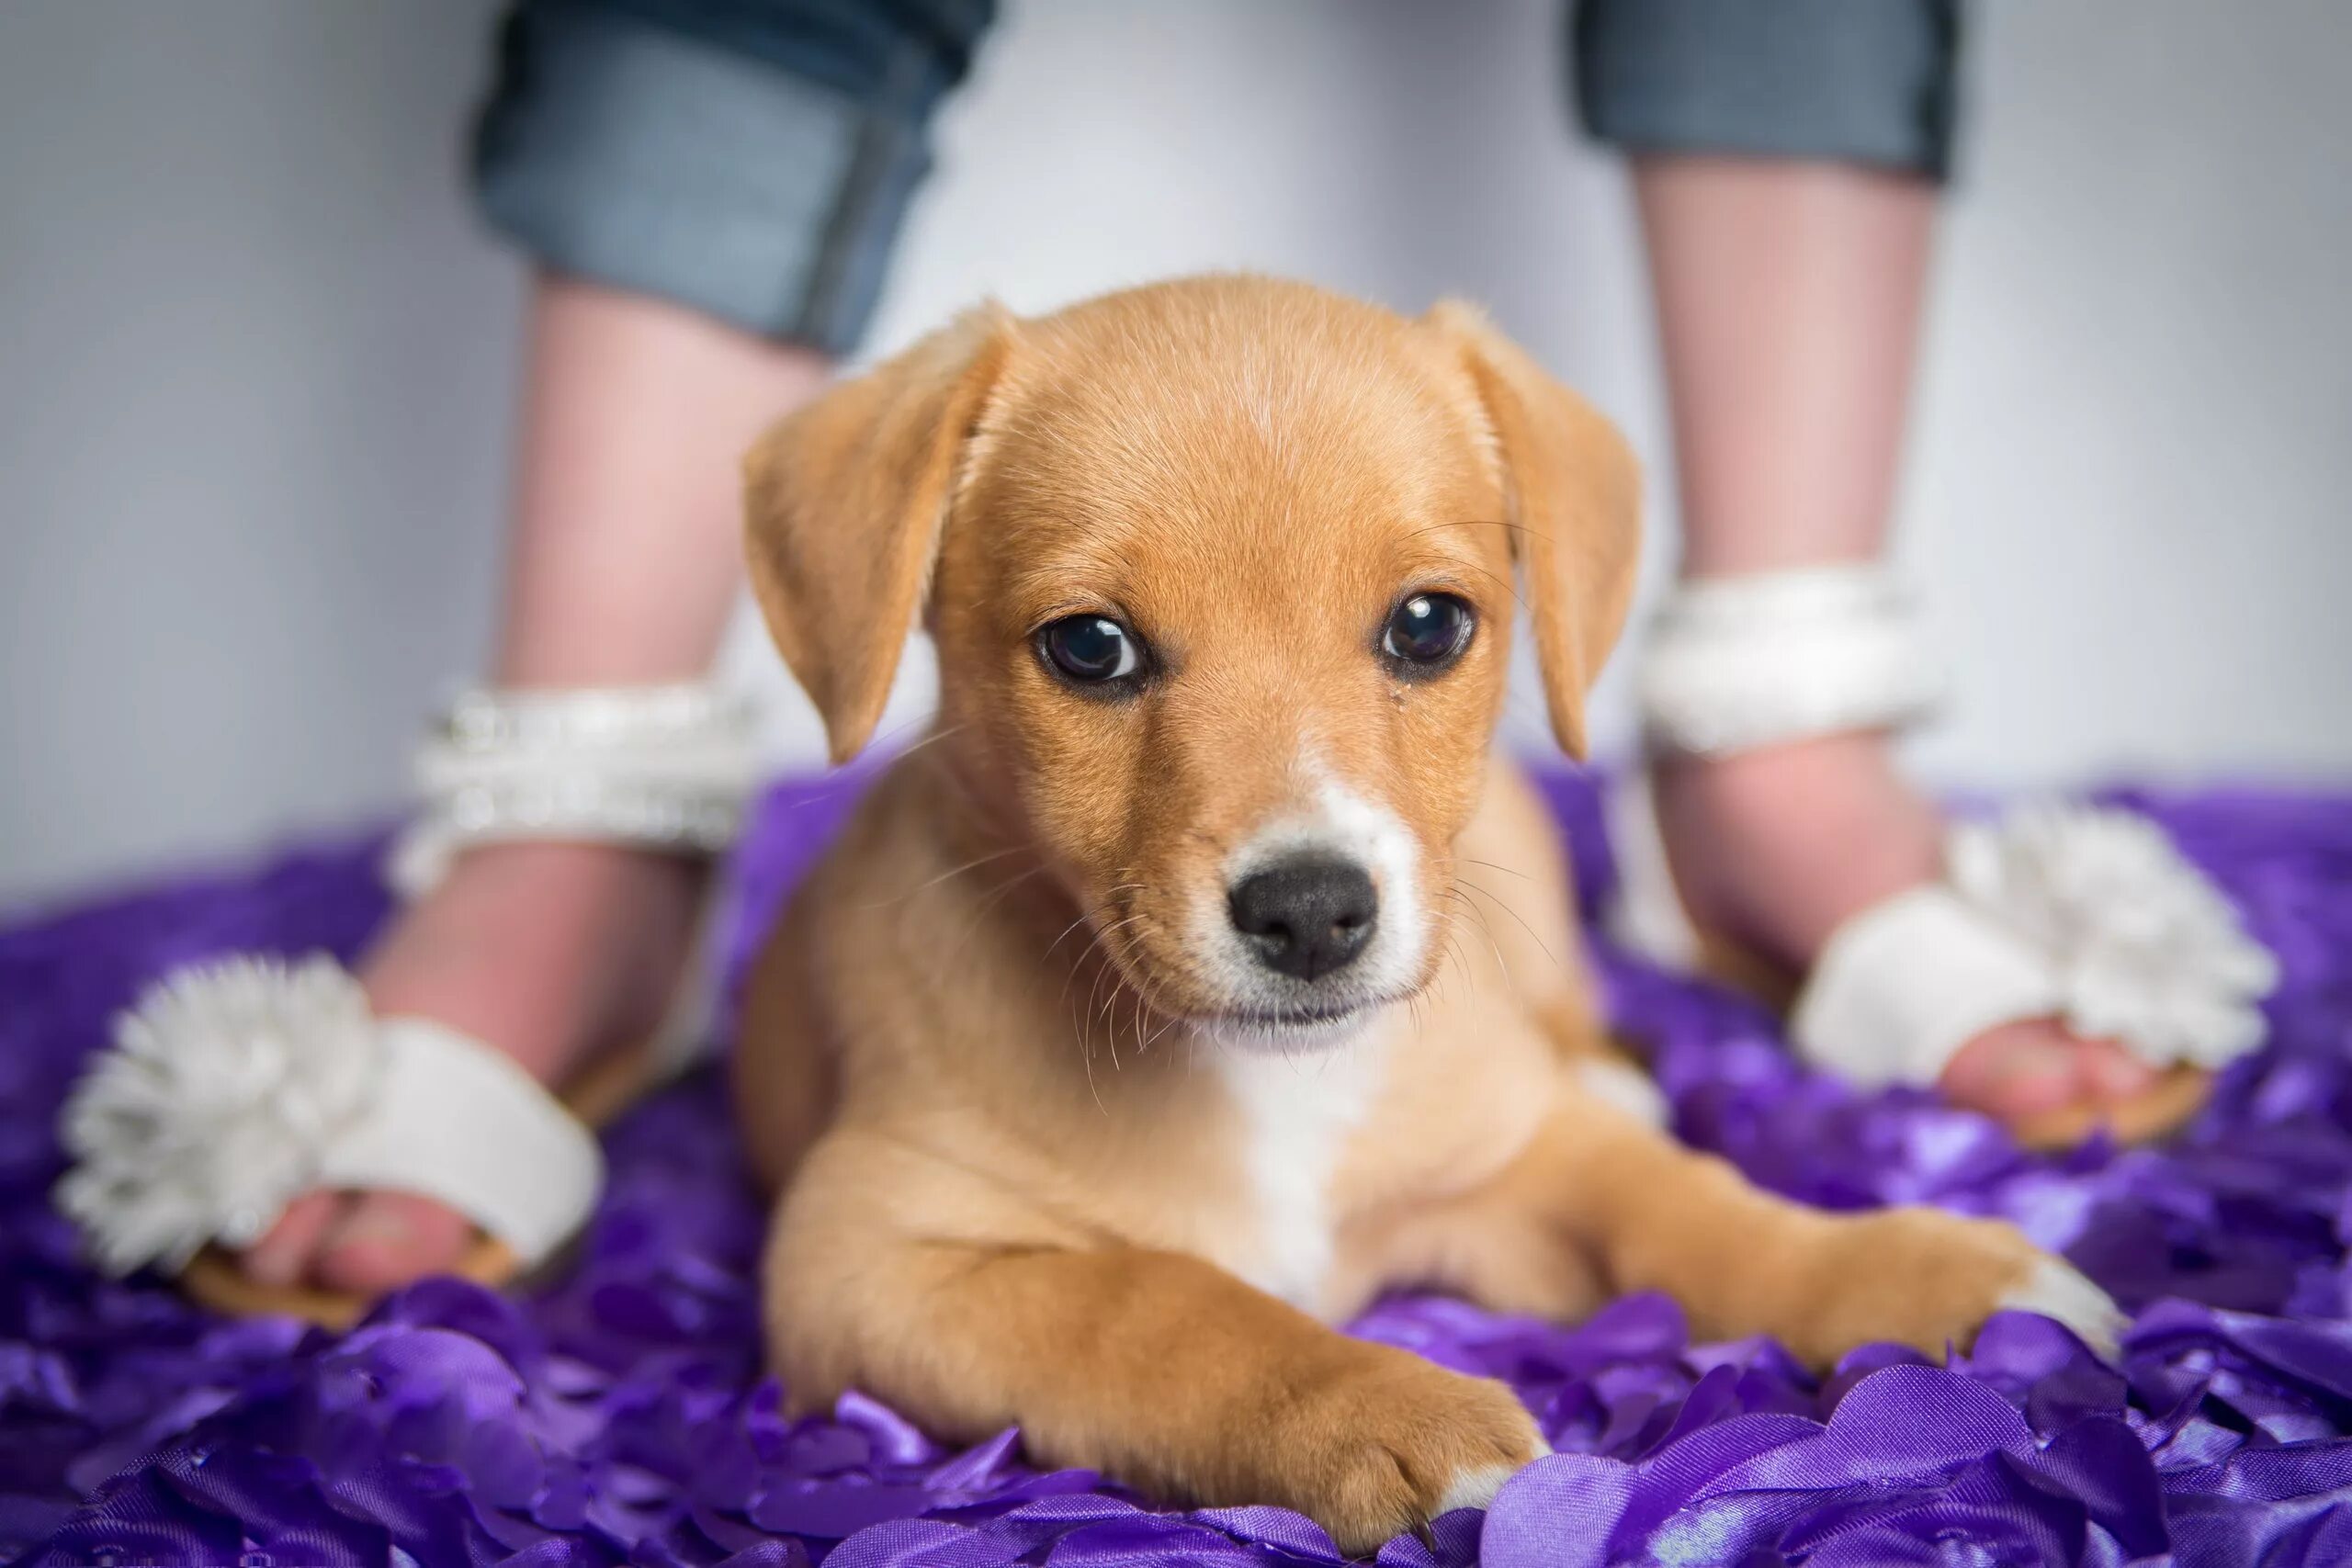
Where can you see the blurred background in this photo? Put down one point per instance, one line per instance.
(258, 361)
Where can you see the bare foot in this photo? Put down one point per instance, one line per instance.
(549, 951)
(1775, 849)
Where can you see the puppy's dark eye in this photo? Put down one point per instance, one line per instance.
(1426, 632)
(1090, 649)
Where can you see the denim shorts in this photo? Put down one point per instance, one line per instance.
(752, 159)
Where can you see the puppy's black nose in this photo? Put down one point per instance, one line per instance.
(1307, 918)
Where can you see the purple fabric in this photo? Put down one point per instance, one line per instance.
(619, 1415)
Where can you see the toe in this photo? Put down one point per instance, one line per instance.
(283, 1253)
(2114, 1074)
(2015, 1071)
(391, 1239)
(2024, 1070)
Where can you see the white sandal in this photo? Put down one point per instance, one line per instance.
(234, 1087)
(2082, 914)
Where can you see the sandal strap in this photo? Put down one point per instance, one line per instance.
(664, 767)
(2082, 914)
(232, 1089)
(1734, 663)
(457, 1121)
(1903, 985)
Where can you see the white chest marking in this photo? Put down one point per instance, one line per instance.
(1297, 1112)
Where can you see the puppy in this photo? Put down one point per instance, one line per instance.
(1201, 974)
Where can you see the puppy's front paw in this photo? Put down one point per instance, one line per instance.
(1396, 1442)
(1924, 1277)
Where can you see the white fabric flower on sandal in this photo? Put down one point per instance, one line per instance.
(225, 1084)
(2141, 948)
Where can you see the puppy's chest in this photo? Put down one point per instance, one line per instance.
(1295, 1118)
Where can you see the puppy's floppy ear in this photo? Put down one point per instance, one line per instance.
(844, 501)
(1574, 493)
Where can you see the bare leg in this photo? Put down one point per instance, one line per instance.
(623, 562)
(1789, 297)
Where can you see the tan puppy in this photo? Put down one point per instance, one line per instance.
(1201, 976)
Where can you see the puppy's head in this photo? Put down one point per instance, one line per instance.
(1222, 576)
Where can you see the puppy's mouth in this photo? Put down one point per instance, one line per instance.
(1283, 1018)
(1259, 1024)
(1313, 1027)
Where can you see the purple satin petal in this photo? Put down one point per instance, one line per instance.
(620, 1414)
(1898, 1421)
(1158, 1538)
(978, 1468)
(893, 1437)
(832, 1510)
(144, 1519)
(2042, 1366)
(1453, 1543)
(1280, 1530)
(1560, 1512)
(923, 1543)
(2100, 1462)
(1670, 1480)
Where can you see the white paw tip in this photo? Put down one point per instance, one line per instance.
(1628, 1088)
(2058, 1290)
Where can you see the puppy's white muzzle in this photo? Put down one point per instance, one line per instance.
(1321, 918)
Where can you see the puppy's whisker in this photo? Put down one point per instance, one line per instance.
(935, 764)
(880, 745)
(1110, 968)
(1462, 963)
(1099, 956)
(1078, 961)
(952, 872)
(1085, 1036)
(1453, 963)
(1080, 1020)
(979, 916)
(1109, 901)
(1507, 585)
(933, 739)
(1455, 948)
(1094, 943)
(1086, 1055)
(1147, 1000)
(1481, 523)
(1169, 1017)
(1168, 1021)
(1514, 914)
(1484, 929)
(1487, 930)
(1139, 991)
(1134, 1020)
(1063, 933)
(1144, 993)
(1101, 947)
(1109, 997)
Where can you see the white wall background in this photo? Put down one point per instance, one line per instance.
(256, 363)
